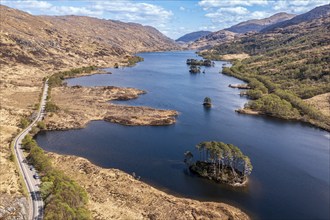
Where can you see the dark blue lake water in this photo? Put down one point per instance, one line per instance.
(290, 179)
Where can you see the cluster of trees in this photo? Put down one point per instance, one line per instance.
(273, 105)
(276, 88)
(57, 78)
(207, 102)
(194, 69)
(24, 122)
(221, 162)
(204, 62)
(63, 197)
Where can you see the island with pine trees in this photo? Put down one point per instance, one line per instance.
(221, 162)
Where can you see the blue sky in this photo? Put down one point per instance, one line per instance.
(174, 18)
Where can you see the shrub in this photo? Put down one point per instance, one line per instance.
(24, 122)
(51, 107)
(41, 125)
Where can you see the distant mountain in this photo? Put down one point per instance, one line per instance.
(212, 39)
(59, 41)
(238, 31)
(192, 36)
(318, 12)
(258, 24)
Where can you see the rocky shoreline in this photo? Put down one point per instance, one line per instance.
(247, 111)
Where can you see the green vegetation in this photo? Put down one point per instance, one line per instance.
(194, 69)
(57, 79)
(64, 198)
(220, 162)
(51, 107)
(132, 60)
(203, 62)
(273, 105)
(207, 102)
(210, 56)
(285, 67)
(41, 125)
(24, 122)
(28, 143)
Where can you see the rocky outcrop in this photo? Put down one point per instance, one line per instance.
(13, 207)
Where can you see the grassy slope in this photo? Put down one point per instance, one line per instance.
(285, 66)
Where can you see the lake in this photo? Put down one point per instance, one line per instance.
(290, 179)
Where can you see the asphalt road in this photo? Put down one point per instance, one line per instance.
(33, 184)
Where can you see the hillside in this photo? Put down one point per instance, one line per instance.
(286, 66)
(192, 36)
(34, 47)
(257, 24)
(318, 12)
(237, 31)
(68, 40)
(212, 39)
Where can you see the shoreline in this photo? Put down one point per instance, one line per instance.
(110, 197)
(79, 105)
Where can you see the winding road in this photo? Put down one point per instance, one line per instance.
(28, 173)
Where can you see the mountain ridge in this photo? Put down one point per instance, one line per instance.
(258, 24)
(192, 36)
(318, 12)
(238, 30)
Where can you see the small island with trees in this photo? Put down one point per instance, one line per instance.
(203, 62)
(207, 102)
(195, 64)
(194, 69)
(221, 162)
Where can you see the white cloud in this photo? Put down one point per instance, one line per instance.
(69, 10)
(27, 4)
(260, 14)
(207, 4)
(223, 12)
(297, 6)
(127, 11)
(134, 12)
(182, 8)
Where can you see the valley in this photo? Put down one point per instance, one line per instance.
(123, 108)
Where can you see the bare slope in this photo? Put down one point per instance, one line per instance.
(67, 40)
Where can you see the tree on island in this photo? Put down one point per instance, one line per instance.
(202, 62)
(194, 69)
(207, 102)
(221, 162)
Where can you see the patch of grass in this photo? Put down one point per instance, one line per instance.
(57, 79)
(132, 60)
